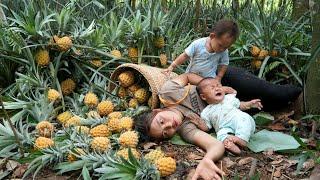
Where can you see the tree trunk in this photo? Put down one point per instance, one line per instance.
(299, 8)
(197, 21)
(313, 76)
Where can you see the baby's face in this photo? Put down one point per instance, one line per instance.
(212, 92)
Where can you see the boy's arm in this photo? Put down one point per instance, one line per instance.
(178, 61)
(221, 71)
(246, 105)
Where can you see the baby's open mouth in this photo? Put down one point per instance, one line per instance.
(219, 94)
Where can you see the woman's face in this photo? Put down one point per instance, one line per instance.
(165, 124)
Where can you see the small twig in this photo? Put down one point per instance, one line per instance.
(273, 168)
(221, 170)
(287, 176)
(313, 129)
(7, 118)
(253, 167)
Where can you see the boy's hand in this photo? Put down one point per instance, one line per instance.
(218, 78)
(229, 90)
(167, 71)
(255, 103)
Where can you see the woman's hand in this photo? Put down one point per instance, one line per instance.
(207, 170)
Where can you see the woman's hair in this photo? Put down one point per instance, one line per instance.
(224, 26)
(142, 123)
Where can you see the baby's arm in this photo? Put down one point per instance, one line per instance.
(246, 105)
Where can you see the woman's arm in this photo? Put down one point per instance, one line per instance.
(186, 78)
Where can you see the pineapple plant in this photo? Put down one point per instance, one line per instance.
(263, 53)
(163, 59)
(154, 155)
(64, 117)
(72, 156)
(159, 42)
(116, 53)
(64, 43)
(125, 153)
(42, 57)
(126, 78)
(166, 166)
(133, 103)
(83, 129)
(74, 121)
(133, 54)
(105, 107)
(93, 115)
(126, 123)
(255, 51)
(43, 142)
(96, 62)
(53, 95)
(67, 86)
(91, 100)
(100, 131)
(45, 129)
(129, 139)
(132, 89)
(115, 114)
(100, 144)
(122, 92)
(141, 95)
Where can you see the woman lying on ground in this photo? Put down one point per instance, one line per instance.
(183, 106)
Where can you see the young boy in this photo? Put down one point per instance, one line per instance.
(209, 55)
(224, 115)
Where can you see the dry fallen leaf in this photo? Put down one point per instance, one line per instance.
(293, 122)
(277, 173)
(18, 173)
(276, 162)
(228, 162)
(11, 165)
(277, 127)
(245, 161)
(148, 145)
(193, 156)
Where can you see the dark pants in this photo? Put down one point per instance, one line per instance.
(249, 87)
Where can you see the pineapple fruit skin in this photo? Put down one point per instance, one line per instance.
(101, 130)
(263, 53)
(166, 166)
(114, 125)
(126, 123)
(255, 51)
(42, 57)
(45, 129)
(256, 64)
(122, 93)
(91, 100)
(93, 115)
(74, 121)
(133, 54)
(43, 142)
(141, 95)
(96, 62)
(64, 43)
(159, 42)
(68, 86)
(126, 78)
(163, 59)
(133, 103)
(115, 114)
(53, 95)
(100, 144)
(116, 53)
(132, 89)
(71, 155)
(274, 53)
(129, 139)
(154, 155)
(105, 107)
(82, 129)
(64, 117)
(125, 153)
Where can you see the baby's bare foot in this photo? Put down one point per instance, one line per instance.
(230, 146)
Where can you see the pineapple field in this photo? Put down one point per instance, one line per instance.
(74, 74)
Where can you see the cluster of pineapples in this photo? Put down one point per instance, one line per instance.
(259, 54)
(165, 165)
(132, 92)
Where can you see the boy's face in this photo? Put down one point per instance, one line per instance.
(220, 44)
(212, 91)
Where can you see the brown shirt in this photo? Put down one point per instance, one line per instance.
(190, 105)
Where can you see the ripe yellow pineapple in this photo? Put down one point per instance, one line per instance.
(126, 78)
(100, 131)
(91, 100)
(163, 59)
(96, 62)
(133, 54)
(274, 53)
(132, 89)
(122, 92)
(116, 114)
(72, 155)
(133, 103)
(159, 42)
(256, 63)
(74, 121)
(93, 115)
(116, 53)
(166, 166)
(43, 142)
(83, 129)
(64, 117)
(45, 128)
(150, 101)
(126, 123)
(141, 95)
(68, 86)
(255, 51)
(154, 155)
(53, 95)
(263, 53)
(125, 153)
(100, 144)
(114, 125)
(129, 139)
(64, 43)
(105, 107)
(42, 57)
(53, 40)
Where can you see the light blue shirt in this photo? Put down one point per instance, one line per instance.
(203, 62)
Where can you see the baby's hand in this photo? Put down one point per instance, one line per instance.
(255, 103)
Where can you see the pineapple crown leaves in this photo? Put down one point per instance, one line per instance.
(115, 31)
(139, 26)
